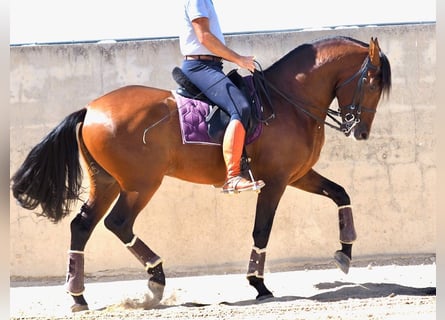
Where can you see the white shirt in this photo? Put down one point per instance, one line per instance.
(193, 9)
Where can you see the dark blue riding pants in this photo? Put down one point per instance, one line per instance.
(209, 77)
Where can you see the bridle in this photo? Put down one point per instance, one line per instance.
(354, 110)
(351, 117)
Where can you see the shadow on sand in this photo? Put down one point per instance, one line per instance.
(339, 291)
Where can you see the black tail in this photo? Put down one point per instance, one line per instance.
(51, 175)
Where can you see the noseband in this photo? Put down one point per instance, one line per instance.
(354, 110)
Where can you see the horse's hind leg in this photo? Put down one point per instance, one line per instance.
(103, 191)
(315, 183)
(120, 221)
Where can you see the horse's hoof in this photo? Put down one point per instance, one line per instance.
(342, 261)
(155, 295)
(79, 307)
(151, 298)
(157, 289)
(264, 297)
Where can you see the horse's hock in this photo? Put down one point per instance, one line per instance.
(390, 177)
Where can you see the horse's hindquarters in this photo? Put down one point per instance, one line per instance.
(134, 134)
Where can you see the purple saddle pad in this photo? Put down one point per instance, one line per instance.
(194, 128)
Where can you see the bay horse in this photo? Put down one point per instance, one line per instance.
(125, 162)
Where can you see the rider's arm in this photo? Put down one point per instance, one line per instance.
(202, 29)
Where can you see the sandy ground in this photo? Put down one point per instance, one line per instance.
(370, 292)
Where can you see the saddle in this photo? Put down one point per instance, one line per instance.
(217, 119)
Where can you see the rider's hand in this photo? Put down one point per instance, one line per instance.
(247, 62)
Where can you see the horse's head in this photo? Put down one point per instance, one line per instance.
(358, 99)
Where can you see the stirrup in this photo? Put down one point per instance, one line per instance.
(231, 185)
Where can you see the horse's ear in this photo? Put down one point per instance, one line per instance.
(374, 52)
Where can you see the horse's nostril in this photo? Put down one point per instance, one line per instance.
(364, 136)
(361, 134)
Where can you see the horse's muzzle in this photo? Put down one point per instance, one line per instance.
(361, 133)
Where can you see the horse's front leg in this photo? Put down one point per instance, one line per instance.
(266, 207)
(315, 183)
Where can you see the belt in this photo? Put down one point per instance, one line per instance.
(203, 57)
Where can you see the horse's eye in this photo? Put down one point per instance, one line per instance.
(372, 85)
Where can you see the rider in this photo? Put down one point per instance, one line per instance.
(203, 47)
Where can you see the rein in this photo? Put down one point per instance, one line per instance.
(351, 118)
(345, 125)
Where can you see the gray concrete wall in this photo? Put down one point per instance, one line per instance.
(390, 177)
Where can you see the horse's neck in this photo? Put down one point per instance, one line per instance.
(309, 89)
(310, 76)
